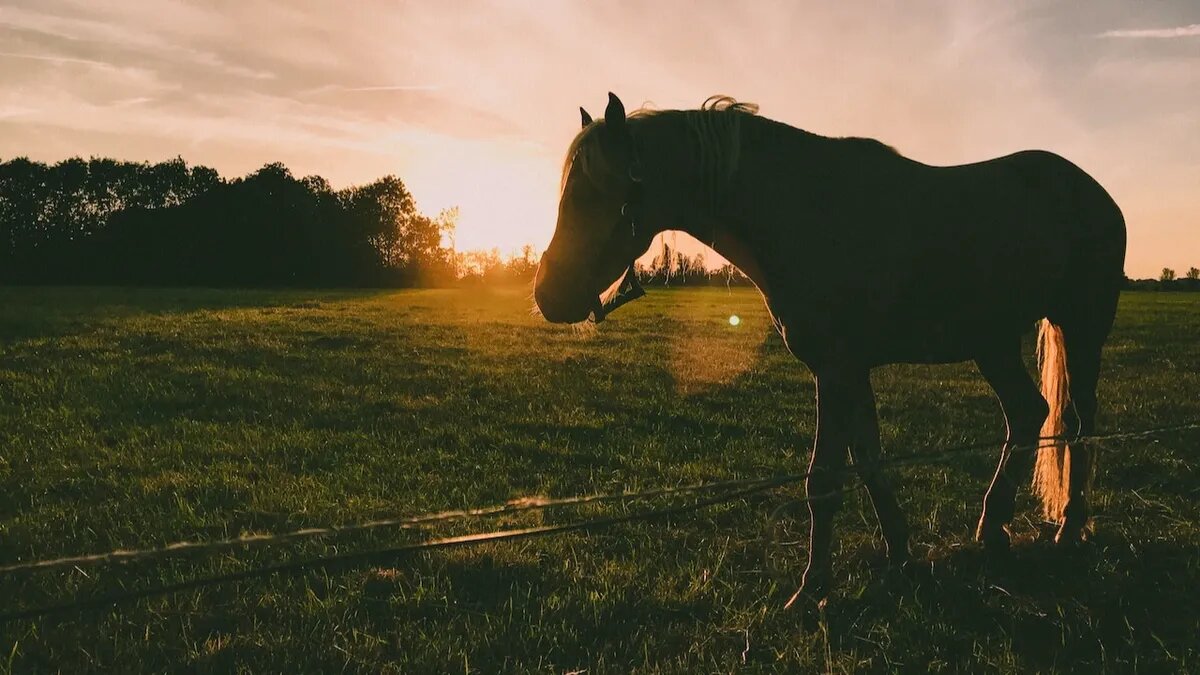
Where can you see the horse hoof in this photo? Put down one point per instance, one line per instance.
(812, 609)
(1070, 536)
(899, 561)
(996, 541)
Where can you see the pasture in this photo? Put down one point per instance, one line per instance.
(135, 418)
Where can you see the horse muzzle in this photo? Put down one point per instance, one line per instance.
(557, 305)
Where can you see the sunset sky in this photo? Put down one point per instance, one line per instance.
(473, 103)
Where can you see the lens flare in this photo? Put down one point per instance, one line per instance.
(734, 320)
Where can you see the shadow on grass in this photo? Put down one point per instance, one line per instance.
(1085, 610)
(1114, 603)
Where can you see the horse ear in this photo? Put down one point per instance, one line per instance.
(614, 114)
(583, 114)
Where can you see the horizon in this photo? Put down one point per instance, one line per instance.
(472, 105)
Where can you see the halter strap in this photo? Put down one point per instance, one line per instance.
(629, 288)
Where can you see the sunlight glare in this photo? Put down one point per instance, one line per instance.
(734, 320)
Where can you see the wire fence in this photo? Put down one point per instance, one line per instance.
(721, 492)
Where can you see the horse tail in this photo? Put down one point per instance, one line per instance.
(1050, 474)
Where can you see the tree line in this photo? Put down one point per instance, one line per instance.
(103, 221)
(1167, 281)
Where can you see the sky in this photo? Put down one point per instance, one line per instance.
(472, 103)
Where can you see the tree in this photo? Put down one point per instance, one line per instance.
(663, 265)
(108, 221)
(1167, 274)
(23, 190)
(49, 215)
(480, 266)
(522, 267)
(1193, 273)
(406, 241)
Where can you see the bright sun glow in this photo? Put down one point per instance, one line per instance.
(734, 320)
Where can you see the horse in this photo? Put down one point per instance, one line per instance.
(865, 257)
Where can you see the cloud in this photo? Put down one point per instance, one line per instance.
(59, 59)
(104, 78)
(79, 32)
(8, 111)
(1174, 76)
(334, 89)
(1190, 30)
(395, 87)
(127, 102)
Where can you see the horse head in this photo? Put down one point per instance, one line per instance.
(587, 270)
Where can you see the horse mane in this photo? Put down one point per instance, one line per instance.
(714, 127)
(870, 144)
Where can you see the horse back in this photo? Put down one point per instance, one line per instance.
(914, 263)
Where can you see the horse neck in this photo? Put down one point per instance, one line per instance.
(687, 173)
(685, 195)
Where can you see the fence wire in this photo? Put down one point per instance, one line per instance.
(728, 491)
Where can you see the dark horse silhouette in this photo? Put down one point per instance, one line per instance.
(865, 257)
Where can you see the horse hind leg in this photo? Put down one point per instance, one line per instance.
(1083, 365)
(1024, 411)
(1084, 327)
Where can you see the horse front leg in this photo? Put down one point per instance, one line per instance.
(824, 484)
(865, 451)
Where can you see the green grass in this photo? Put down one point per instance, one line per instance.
(134, 418)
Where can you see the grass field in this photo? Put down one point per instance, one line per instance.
(134, 418)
